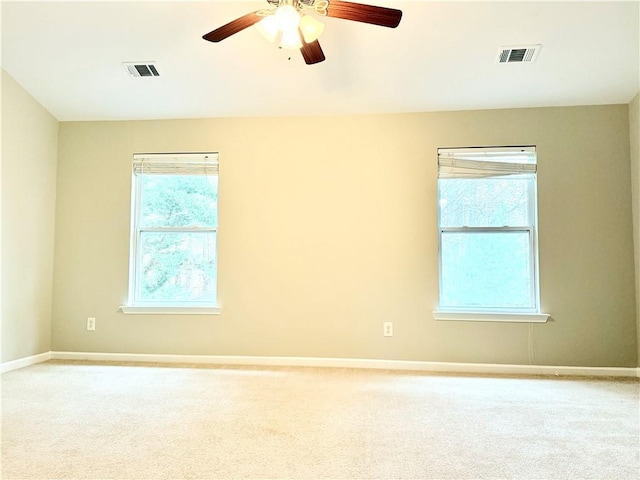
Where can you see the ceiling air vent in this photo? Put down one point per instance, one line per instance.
(519, 54)
(141, 69)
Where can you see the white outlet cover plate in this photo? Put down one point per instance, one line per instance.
(388, 329)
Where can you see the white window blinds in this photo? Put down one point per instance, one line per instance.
(176, 164)
(483, 162)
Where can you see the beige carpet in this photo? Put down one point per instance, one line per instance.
(72, 420)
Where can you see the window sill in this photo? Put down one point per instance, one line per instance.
(155, 310)
(492, 317)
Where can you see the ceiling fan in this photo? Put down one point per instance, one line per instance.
(290, 26)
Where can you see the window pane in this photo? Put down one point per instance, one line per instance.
(486, 270)
(177, 267)
(485, 202)
(179, 201)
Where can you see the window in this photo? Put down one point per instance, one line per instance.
(488, 230)
(174, 217)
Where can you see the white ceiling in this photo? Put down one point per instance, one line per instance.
(69, 56)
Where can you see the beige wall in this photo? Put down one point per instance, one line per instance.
(29, 150)
(328, 229)
(634, 134)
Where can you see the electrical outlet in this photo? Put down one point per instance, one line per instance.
(388, 329)
(91, 323)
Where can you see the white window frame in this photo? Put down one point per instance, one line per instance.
(186, 163)
(533, 312)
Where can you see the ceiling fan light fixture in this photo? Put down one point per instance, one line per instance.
(311, 28)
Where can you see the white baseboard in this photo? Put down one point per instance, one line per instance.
(441, 367)
(25, 362)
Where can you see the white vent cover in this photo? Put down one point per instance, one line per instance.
(141, 69)
(518, 54)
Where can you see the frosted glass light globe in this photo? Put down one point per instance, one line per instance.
(290, 39)
(311, 28)
(287, 18)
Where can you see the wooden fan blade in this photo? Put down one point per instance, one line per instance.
(233, 27)
(358, 12)
(312, 52)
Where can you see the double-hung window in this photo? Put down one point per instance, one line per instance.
(487, 219)
(174, 223)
